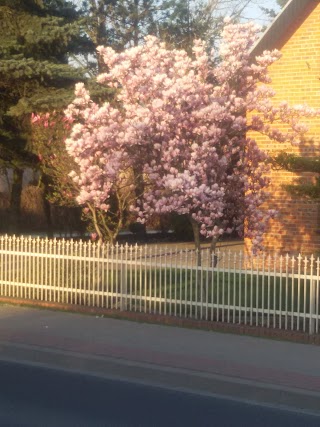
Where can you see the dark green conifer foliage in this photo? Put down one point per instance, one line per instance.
(282, 3)
(36, 40)
(188, 20)
(132, 20)
(120, 23)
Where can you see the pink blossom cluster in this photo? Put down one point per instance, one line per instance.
(184, 124)
(49, 120)
(45, 133)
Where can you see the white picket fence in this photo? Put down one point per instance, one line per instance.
(270, 291)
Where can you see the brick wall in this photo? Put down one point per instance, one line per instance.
(296, 78)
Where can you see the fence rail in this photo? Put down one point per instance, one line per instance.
(272, 291)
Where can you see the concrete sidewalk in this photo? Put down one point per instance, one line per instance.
(241, 367)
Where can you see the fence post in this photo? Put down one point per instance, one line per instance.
(312, 323)
(123, 281)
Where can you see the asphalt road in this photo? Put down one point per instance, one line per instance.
(34, 396)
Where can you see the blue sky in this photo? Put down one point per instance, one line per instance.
(253, 11)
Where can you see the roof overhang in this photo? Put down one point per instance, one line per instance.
(271, 38)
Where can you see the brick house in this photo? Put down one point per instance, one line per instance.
(296, 79)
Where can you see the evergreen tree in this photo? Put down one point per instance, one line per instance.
(120, 23)
(282, 3)
(36, 38)
(132, 20)
(96, 15)
(187, 20)
(271, 12)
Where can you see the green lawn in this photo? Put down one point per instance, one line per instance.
(175, 291)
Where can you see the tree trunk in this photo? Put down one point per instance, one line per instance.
(47, 207)
(213, 246)
(15, 201)
(139, 191)
(136, 23)
(196, 237)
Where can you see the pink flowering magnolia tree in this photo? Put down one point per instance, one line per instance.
(183, 124)
(99, 146)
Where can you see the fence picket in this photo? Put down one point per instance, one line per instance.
(234, 287)
(274, 290)
(280, 291)
(240, 286)
(305, 293)
(293, 293)
(218, 286)
(317, 295)
(269, 291)
(257, 275)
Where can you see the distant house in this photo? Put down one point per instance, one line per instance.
(296, 79)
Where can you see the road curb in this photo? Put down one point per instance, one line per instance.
(190, 381)
(232, 328)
